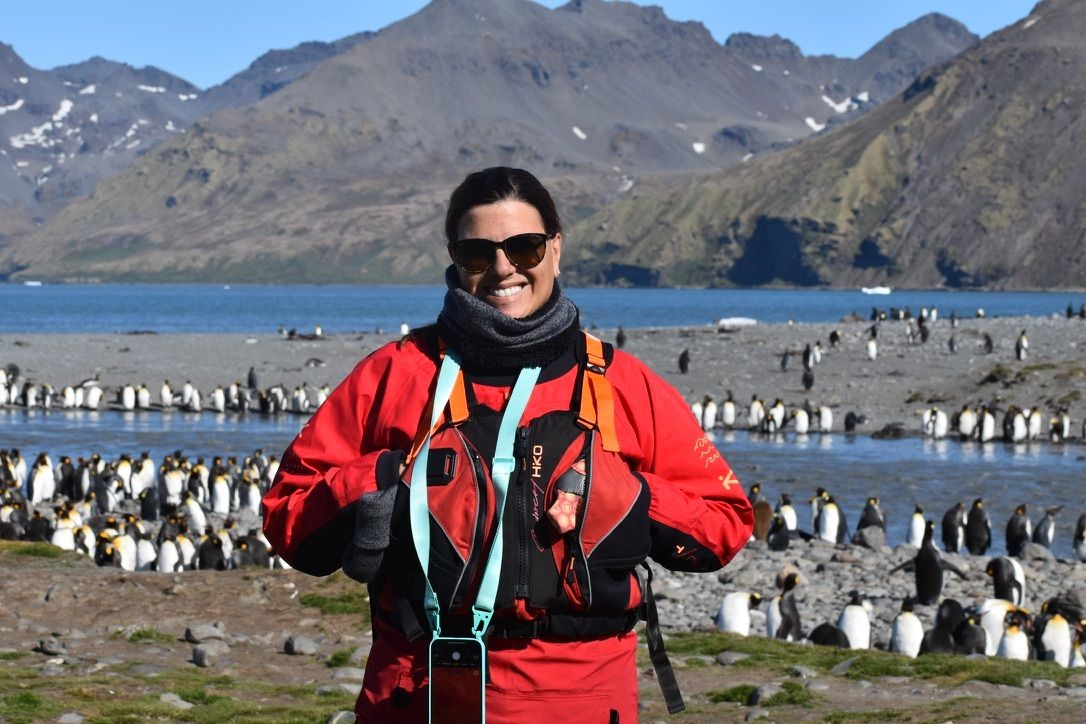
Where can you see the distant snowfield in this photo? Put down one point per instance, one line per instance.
(579, 133)
(152, 88)
(89, 90)
(13, 107)
(813, 124)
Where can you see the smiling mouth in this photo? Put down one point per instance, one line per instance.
(506, 291)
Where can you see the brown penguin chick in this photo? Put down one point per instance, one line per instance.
(763, 519)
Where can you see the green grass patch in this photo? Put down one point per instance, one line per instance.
(26, 706)
(793, 695)
(339, 658)
(35, 550)
(738, 694)
(352, 602)
(11, 655)
(150, 634)
(781, 656)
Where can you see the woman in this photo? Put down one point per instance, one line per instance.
(610, 467)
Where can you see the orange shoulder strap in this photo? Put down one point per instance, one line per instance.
(455, 413)
(597, 398)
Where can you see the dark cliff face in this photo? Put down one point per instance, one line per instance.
(969, 178)
(338, 159)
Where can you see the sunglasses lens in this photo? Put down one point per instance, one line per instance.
(473, 255)
(526, 250)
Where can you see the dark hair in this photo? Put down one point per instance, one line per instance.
(500, 183)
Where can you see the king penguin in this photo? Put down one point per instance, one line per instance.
(939, 639)
(733, 616)
(1045, 532)
(855, 621)
(917, 528)
(727, 413)
(1008, 578)
(992, 612)
(954, 528)
(1019, 531)
(906, 632)
(782, 617)
(1052, 638)
(1078, 542)
(1015, 642)
(872, 516)
(978, 529)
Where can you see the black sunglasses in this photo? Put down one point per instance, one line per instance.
(475, 256)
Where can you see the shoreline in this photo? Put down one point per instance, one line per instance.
(905, 378)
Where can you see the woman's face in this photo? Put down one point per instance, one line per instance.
(512, 292)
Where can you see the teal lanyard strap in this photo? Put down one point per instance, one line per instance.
(502, 468)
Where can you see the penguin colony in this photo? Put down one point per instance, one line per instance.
(1002, 624)
(18, 391)
(179, 514)
(984, 421)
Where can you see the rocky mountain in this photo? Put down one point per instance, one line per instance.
(970, 178)
(65, 129)
(342, 173)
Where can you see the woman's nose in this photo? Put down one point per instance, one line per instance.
(502, 266)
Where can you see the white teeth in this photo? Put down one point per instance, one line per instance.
(507, 292)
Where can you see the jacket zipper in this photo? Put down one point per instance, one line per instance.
(480, 519)
(520, 451)
(580, 560)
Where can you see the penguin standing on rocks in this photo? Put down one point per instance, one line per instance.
(808, 380)
(940, 638)
(831, 522)
(787, 512)
(978, 529)
(873, 345)
(872, 516)
(1052, 638)
(684, 361)
(782, 618)
(917, 528)
(1021, 346)
(855, 621)
(835, 338)
(906, 632)
(1019, 531)
(763, 519)
(928, 568)
(1015, 642)
(620, 338)
(970, 637)
(733, 616)
(1009, 579)
(954, 528)
(992, 612)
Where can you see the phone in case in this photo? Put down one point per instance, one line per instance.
(457, 680)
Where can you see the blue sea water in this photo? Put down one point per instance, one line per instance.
(105, 308)
(902, 473)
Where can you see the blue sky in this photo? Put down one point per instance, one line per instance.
(207, 41)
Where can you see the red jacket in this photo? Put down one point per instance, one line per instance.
(701, 518)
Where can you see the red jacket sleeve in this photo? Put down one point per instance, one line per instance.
(699, 513)
(308, 512)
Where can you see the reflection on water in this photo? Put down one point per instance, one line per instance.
(902, 473)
